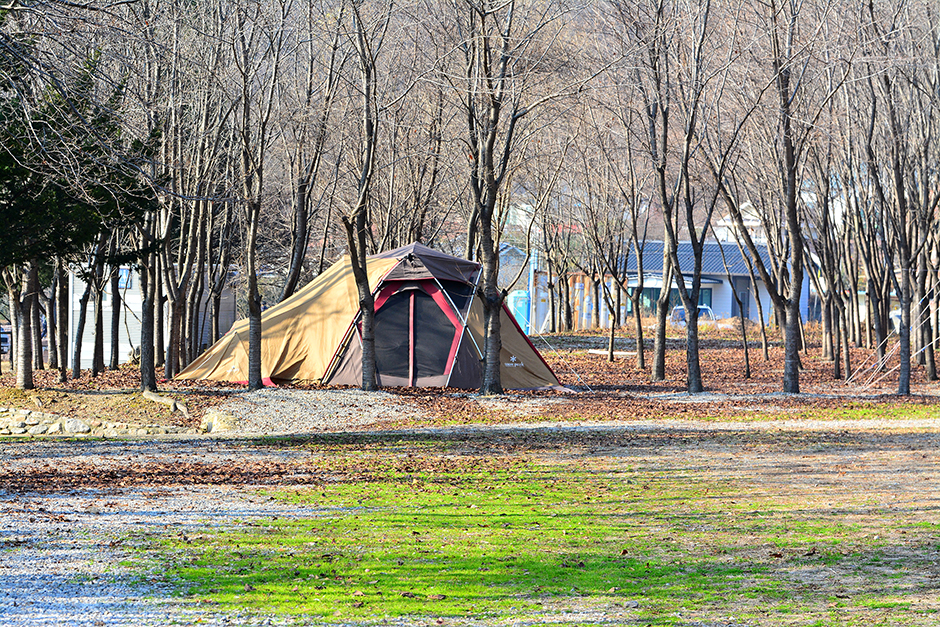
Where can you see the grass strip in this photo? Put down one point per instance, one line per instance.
(439, 536)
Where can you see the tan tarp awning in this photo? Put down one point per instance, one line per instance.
(299, 335)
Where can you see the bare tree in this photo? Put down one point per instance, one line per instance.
(609, 212)
(794, 34)
(679, 87)
(258, 47)
(368, 39)
(410, 181)
(901, 132)
(22, 286)
(318, 63)
(508, 50)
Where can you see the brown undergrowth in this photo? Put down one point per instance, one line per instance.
(604, 390)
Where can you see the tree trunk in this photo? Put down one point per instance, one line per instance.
(192, 344)
(904, 372)
(24, 334)
(472, 243)
(747, 354)
(662, 312)
(553, 321)
(829, 347)
(97, 361)
(743, 324)
(689, 298)
(568, 314)
(638, 321)
(36, 327)
(80, 331)
(791, 341)
(171, 364)
(62, 318)
(930, 364)
(194, 317)
(148, 352)
(659, 343)
(845, 319)
(857, 318)
(596, 295)
(837, 352)
(255, 381)
(923, 319)
(199, 323)
(614, 323)
(370, 381)
(14, 303)
(355, 226)
(300, 232)
(877, 321)
(52, 319)
(917, 303)
(693, 377)
(550, 284)
(214, 325)
(159, 343)
(115, 319)
(492, 306)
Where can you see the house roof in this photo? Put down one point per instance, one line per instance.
(712, 263)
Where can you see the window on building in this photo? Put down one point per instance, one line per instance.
(650, 296)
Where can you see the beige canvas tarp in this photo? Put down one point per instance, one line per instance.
(521, 367)
(299, 335)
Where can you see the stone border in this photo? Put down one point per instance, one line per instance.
(28, 422)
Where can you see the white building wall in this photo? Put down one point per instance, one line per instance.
(129, 331)
(765, 303)
(722, 299)
(131, 308)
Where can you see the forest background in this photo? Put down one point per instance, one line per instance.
(257, 142)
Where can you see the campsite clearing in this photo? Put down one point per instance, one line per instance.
(605, 391)
(622, 503)
(647, 523)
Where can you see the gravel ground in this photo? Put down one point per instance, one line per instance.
(61, 554)
(282, 411)
(62, 559)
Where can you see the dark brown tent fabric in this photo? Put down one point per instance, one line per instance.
(420, 262)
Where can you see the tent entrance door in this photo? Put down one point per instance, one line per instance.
(416, 335)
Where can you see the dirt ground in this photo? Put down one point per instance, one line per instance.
(602, 390)
(874, 476)
(876, 484)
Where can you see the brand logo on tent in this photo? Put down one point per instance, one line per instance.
(513, 363)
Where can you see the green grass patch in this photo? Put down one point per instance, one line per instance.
(439, 535)
(871, 411)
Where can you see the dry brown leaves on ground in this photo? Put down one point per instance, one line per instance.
(605, 390)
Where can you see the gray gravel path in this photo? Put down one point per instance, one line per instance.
(281, 411)
(61, 554)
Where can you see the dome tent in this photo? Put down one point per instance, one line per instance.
(428, 326)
